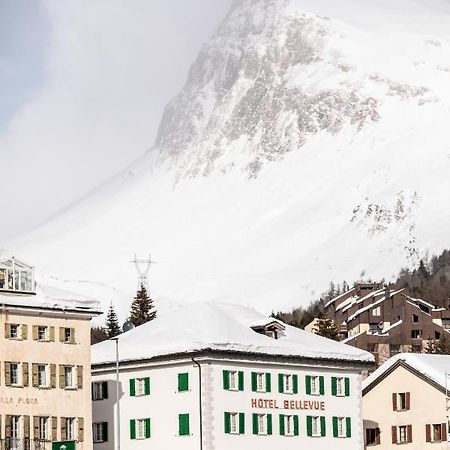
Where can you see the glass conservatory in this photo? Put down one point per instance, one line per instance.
(15, 276)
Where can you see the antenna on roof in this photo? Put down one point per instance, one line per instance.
(142, 267)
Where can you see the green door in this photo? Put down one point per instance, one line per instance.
(64, 445)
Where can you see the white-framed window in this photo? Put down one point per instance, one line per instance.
(42, 333)
(43, 428)
(140, 428)
(341, 427)
(402, 434)
(340, 386)
(14, 330)
(99, 390)
(233, 380)
(261, 382)
(68, 335)
(42, 372)
(287, 384)
(315, 385)
(99, 431)
(401, 401)
(234, 423)
(70, 428)
(376, 311)
(140, 386)
(69, 379)
(315, 425)
(262, 423)
(289, 425)
(15, 427)
(15, 373)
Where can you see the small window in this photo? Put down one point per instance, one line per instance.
(15, 373)
(43, 428)
(140, 386)
(14, 331)
(99, 390)
(289, 425)
(340, 386)
(376, 311)
(315, 385)
(69, 381)
(15, 427)
(42, 375)
(287, 384)
(260, 382)
(436, 435)
(315, 421)
(140, 429)
(233, 380)
(402, 434)
(262, 423)
(42, 333)
(415, 318)
(100, 432)
(437, 335)
(70, 428)
(372, 436)
(401, 401)
(341, 427)
(68, 335)
(415, 334)
(234, 423)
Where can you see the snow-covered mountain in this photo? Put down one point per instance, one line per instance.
(310, 143)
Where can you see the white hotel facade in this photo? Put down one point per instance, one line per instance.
(215, 377)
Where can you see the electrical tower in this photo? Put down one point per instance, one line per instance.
(142, 267)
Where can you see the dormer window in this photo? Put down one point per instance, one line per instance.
(270, 329)
(16, 276)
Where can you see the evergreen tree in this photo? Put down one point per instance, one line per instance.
(112, 323)
(142, 308)
(325, 327)
(442, 345)
(98, 334)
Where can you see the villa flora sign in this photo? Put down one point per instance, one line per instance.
(265, 403)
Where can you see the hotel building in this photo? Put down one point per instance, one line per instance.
(45, 396)
(215, 377)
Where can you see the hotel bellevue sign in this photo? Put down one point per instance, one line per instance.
(266, 403)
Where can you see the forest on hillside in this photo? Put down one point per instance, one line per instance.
(430, 281)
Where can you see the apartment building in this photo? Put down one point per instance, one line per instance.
(386, 322)
(405, 403)
(45, 399)
(215, 377)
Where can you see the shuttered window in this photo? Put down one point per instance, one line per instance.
(140, 428)
(234, 423)
(436, 432)
(183, 382)
(315, 384)
(373, 436)
(233, 380)
(342, 427)
(100, 432)
(287, 383)
(315, 426)
(340, 386)
(261, 382)
(183, 425)
(289, 425)
(262, 424)
(401, 401)
(139, 386)
(99, 390)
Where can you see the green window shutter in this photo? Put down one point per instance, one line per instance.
(241, 423)
(333, 386)
(309, 425)
(335, 426)
(227, 425)
(254, 381)
(147, 428)
(269, 424)
(282, 432)
(348, 421)
(241, 380)
(322, 385)
(347, 387)
(296, 431)
(183, 382)
(322, 425)
(132, 387)
(183, 424)
(308, 384)
(226, 380)
(295, 383)
(280, 383)
(132, 429)
(255, 423)
(147, 385)
(268, 382)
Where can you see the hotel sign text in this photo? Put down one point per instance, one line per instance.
(287, 404)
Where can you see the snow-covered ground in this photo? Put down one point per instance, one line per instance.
(309, 144)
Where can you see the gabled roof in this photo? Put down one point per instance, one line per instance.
(221, 327)
(431, 368)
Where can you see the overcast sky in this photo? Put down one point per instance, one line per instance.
(82, 87)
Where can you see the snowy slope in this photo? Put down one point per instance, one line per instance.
(221, 327)
(309, 144)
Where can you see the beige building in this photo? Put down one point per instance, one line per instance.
(45, 394)
(405, 403)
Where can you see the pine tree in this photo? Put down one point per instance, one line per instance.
(442, 345)
(325, 327)
(142, 308)
(112, 323)
(98, 334)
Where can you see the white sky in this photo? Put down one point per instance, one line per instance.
(83, 84)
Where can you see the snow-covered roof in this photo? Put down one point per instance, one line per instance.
(49, 297)
(432, 367)
(338, 297)
(221, 327)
